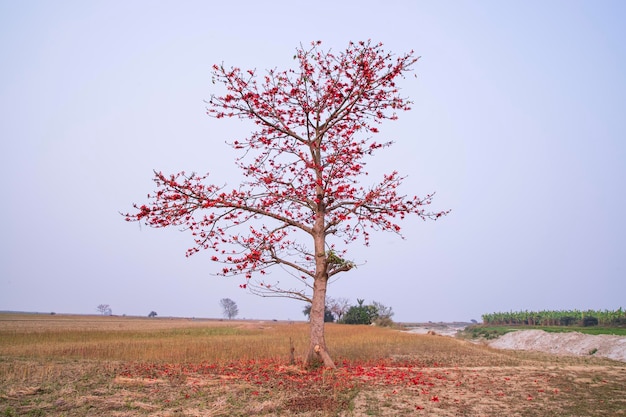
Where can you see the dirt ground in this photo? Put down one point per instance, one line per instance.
(568, 343)
(565, 388)
(571, 343)
(521, 391)
(522, 374)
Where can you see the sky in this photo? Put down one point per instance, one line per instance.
(518, 125)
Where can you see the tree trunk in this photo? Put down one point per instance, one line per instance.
(318, 353)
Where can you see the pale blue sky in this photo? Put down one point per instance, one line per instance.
(518, 125)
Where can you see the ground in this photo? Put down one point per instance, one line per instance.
(570, 343)
(70, 367)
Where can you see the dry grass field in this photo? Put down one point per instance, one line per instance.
(123, 366)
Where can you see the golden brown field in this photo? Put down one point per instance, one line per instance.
(123, 366)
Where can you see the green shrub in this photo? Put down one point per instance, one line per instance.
(590, 321)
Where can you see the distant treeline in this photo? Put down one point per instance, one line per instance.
(558, 318)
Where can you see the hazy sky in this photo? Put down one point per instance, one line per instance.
(519, 125)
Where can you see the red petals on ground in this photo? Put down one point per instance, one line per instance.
(430, 386)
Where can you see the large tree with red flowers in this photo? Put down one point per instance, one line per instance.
(302, 192)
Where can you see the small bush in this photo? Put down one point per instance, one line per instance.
(479, 331)
(359, 315)
(620, 321)
(384, 322)
(590, 321)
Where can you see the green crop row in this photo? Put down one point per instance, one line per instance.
(558, 318)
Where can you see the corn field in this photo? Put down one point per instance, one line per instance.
(558, 318)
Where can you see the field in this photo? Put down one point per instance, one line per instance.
(610, 318)
(122, 366)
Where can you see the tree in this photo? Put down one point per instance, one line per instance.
(229, 308)
(338, 306)
(382, 310)
(302, 165)
(328, 315)
(104, 309)
(383, 314)
(152, 314)
(360, 314)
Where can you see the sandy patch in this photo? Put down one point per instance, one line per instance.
(137, 381)
(570, 343)
(442, 329)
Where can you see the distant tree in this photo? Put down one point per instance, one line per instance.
(104, 309)
(152, 314)
(338, 306)
(229, 308)
(328, 315)
(383, 314)
(376, 312)
(360, 314)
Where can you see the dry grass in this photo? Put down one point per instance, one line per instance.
(114, 366)
(182, 340)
